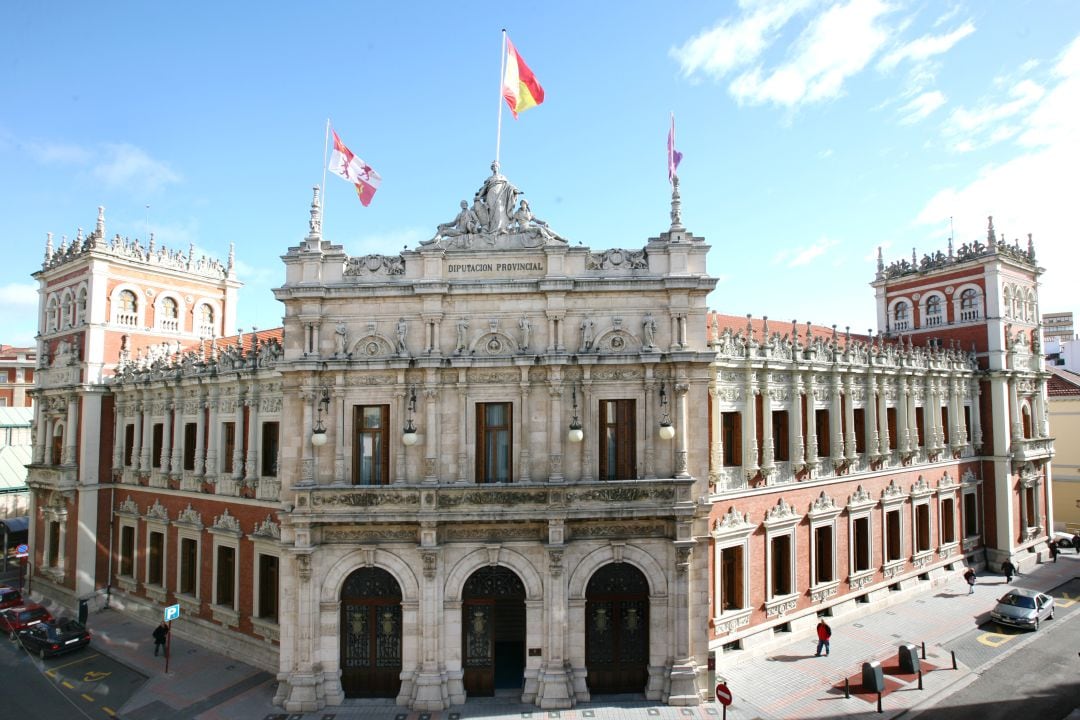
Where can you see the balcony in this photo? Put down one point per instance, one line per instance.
(1032, 449)
(53, 477)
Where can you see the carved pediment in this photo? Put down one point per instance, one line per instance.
(372, 346)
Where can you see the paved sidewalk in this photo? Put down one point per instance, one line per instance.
(787, 683)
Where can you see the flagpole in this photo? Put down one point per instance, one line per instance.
(325, 148)
(502, 70)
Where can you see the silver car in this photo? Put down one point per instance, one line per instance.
(1023, 608)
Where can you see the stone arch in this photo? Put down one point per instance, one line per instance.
(968, 303)
(908, 320)
(81, 296)
(52, 314)
(925, 305)
(116, 310)
(511, 559)
(67, 308)
(159, 309)
(1006, 301)
(495, 342)
(335, 575)
(617, 340)
(637, 557)
(373, 345)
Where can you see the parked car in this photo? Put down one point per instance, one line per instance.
(19, 618)
(1023, 608)
(1064, 540)
(9, 597)
(48, 639)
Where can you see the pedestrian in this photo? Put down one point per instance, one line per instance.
(1053, 549)
(1008, 569)
(1076, 543)
(824, 632)
(969, 578)
(161, 633)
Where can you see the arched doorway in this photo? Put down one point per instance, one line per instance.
(370, 634)
(493, 631)
(617, 630)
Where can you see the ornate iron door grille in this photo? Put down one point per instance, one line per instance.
(617, 630)
(371, 634)
(491, 597)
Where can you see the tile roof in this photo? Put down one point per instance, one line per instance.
(1062, 383)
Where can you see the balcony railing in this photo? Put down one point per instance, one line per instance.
(1032, 449)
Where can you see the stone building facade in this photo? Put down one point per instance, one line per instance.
(498, 462)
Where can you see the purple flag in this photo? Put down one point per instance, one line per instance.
(673, 155)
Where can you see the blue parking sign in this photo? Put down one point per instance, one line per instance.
(172, 613)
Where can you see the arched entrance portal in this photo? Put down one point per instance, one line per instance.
(617, 630)
(370, 634)
(493, 631)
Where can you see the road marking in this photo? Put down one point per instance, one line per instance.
(88, 698)
(1065, 601)
(73, 662)
(66, 684)
(95, 675)
(994, 640)
(109, 710)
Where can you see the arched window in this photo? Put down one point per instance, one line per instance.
(206, 321)
(67, 315)
(969, 308)
(170, 314)
(51, 320)
(1030, 309)
(901, 316)
(933, 311)
(127, 310)
(1006, 297)
(80, 307)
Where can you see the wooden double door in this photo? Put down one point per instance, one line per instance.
(371, 634)
(493, 631)
(617, 630)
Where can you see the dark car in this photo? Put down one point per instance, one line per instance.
(9, 597)
(48, 639)
(19, 618)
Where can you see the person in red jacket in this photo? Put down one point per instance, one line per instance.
(824, 632)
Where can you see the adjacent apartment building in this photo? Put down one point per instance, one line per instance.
(501, 462)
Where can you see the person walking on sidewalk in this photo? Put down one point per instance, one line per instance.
(824, 632)
(1053, 549)
(969, 578)
(1008, 570)
(161, 633)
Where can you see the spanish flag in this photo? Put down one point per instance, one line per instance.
(519, 85)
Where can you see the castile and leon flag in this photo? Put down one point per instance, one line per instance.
(346, 165)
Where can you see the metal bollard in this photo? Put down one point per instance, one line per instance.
(920, 678)
(923, 650)
(847, 688)
(953, 659)
(879, 703)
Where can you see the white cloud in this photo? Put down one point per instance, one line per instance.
(836, 45)
(740, 42)
(60, 153)
(127, 165)
(19, 296)
(926, 47)
(825, 154)
(921, 107)
(798, 257)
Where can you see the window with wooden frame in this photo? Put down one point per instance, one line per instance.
(269, 454)
(948, 521)
(859, 419)
(893, 537)
(268, 588)
(127, 551)
(157, 444)
(821, 427)
(225, 570)
(618, 452)
(155, 560)
(228, 431)
(781, 444)
(890, 423)
(731, 427)
(371, 443)
(861, 549)
(129, 443)
(494, 442)
(190, 433)
(189, 566)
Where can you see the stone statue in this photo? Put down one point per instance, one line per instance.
(496, 199)
(587, 327)
(525, 221)
(649, 327)
(526, 331)
(402, 331)
(462, 331)
(466, 223)
(341, 339)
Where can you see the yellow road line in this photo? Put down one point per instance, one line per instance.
(109, 710)
(88, 698)
(66, 684)
(73, 662)
(51, 673)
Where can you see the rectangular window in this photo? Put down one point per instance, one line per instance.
(189, 566)
(1029, 507)
(781, 444)
(922, 527)
(860, 430)
(127, 551)
(57, 448)
(731, 427)
(371, 440)
(890, 418)
(948, 522)
(54, 544)
(823, 554)
(945, 423)
(155, 558)
(731, 578)
(269, 449)
(892, 536)
(494, 442)
(920, 426)
(156, 445)
(190, 432)
(618, 454)
(268, 587)
(129, 443)
(971, 515)
(821, 427)
(861, 539)
(780, 548)
(226, 576)
(228, 446)
(967, 421)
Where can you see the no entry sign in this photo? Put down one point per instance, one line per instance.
(723, 695)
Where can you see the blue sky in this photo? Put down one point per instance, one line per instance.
(812, 132)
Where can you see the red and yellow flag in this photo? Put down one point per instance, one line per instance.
(519, 85)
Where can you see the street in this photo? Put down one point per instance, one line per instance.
(82, 684)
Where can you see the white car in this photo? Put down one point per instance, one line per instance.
(1023, 608)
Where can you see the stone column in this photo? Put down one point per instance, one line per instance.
(883, 417)
(976, 415)
(811, 424)
(201, 404)
(305, 688)
(555, 423)
(166, 438)
(872, 438)
(903, 439)
(652, 417)
(71, 430)
(462, 436)
(680, 388)
(339, 434)
(589, 425)
(307, 459)
(749, 426)
(176, 464)
(238, 435)
(118, 436)
(431, 434)
(429, 692)
(213, 431)
(768, 450)
(41, 438)
(1014, 411)
(798, 448)
(144, 437)
(683, 669)
(716, 433)
(524, 459)
(251, 470)
(1039, 424)
(399, 415)
(849, 420)
(836, 422)
(555, 687)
